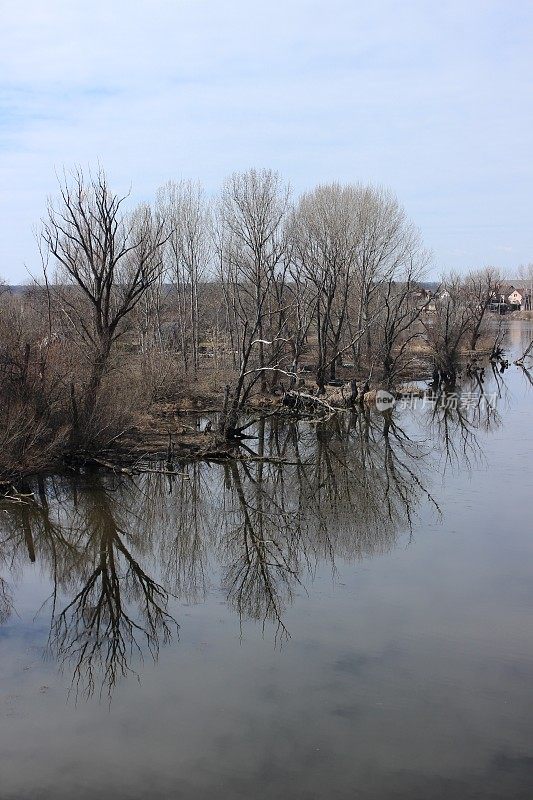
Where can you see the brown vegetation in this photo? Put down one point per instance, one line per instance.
(146, 315)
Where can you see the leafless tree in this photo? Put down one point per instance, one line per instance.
(107, 258)
(398, 324)
(525, 274)
(386, 241)
(325, 240)
(302, 304)
(251, 245)
(448, 331)
(187, 256)
(479, 289)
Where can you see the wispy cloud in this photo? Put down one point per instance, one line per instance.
(433, 100)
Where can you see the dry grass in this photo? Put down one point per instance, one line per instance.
(28, 443)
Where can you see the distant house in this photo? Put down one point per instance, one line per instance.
(518, 296)
(511, 298)
(515, 298)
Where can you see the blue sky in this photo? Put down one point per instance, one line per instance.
(434, 100)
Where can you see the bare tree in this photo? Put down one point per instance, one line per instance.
(110, 257)
(449, 330)
(398, 325)
(325, 240)
(525, 274)
(480, 288)
(251, 245)
(386, 240)
(187, 256)
(149, 315)
(301, 316)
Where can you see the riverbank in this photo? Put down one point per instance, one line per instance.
(186, 425)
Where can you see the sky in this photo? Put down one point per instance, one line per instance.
(431, 99)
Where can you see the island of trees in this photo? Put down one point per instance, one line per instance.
(256, 300)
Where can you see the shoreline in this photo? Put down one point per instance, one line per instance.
(170, 432)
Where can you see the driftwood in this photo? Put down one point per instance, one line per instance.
(302, 400)
(333, 403)
(16, 497)
(102, 462)
(214, 457)
(238, 432)
(136, 469)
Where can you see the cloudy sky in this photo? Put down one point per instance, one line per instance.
(431, 99)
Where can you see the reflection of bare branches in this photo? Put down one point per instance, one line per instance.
(263, 543)
(526, 354)
(526, 373)
(400, 467)
(96, 631)
(29, 531)
(6, 601)
(341, 488)
(185, 521)
(117, 609)
(372, 474)
(454, 421)
(351, 486)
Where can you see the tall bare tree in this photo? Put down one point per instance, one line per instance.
(386, 240)
(251, 244)
(107, 258)
(448, 330)
(480, 288)
(398, 324)
(325, 238)
(187, 256)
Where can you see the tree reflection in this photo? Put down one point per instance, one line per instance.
(262, 542)
(116, 608)
(6, 601)
(179, 505)
(96, 630)
(456, 419)
(351, 485)
(119, 550)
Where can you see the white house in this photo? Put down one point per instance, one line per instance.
(516, 298)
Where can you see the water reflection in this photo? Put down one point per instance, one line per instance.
(119, 552)
(454, 421)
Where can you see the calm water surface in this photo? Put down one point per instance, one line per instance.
(354, 620)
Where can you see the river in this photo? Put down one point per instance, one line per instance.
(352, 618)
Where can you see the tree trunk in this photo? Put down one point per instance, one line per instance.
(97, 374)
